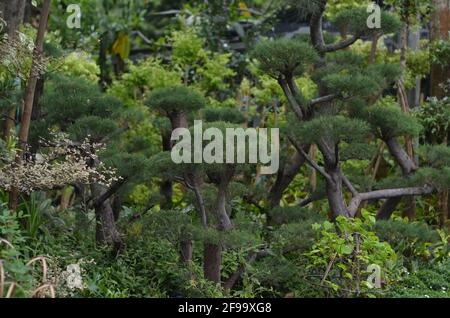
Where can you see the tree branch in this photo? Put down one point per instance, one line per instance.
(291, 99)
(323, 99)
(105, 196)
(386, 194)
(252, 256)
(310, 161)
(340, 45)
(399, 154)
(349, 186)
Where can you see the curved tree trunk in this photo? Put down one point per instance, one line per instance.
(284, 178)
(408, 167)
(212, 259)
(105, 230)
(335, 193)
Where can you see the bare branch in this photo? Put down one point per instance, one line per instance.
(386, 194)
(349, 185)
(291, 99)
(113, 189)
(310, 161)
(323, 99)
(340, 45)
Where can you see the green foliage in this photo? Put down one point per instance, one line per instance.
(412, 240)
(230, 115)
(205, 69)
(13, 254)
(355, 20)
(434, 115)
(79, 64)
(350, 246)
(334, 7)
(284, 56)
(418, 62)
(66, 100)
(34, 211)
(440, 53)
(430, 281)
(143, 77)
(387, 120)
(333, 128)
(175, 99)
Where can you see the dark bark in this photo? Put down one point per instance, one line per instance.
(13, 14)
(36, 113)
(105, 195)
(105, 231)
(166, 187)
(385, 212)
(186, 251)
(408, 167)
(221, 208)
(105, 78)
(212, 259)
(334, 178)
(335, 193)
(166, 190)
(178, 120)
(440, 26)
(117, 207)
(284, 178)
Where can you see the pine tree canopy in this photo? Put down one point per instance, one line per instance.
(331, 128)
(230, 115)
(390, 121)
(175, 99)
(284, 56)
(355, 21)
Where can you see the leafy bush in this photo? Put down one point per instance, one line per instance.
(344, 251)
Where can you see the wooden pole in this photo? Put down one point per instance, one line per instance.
(29, 95)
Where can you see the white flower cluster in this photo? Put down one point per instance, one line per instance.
(73, 277)
(16, 56)
(63, 163)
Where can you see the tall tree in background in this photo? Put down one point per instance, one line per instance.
(13, 14)
(29, 94)
(345, 112)
(440, 29)
(440, 74)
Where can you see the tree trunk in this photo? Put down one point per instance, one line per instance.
(440, 26)
(212, 258)
(29, 96)
(335, 193)
(13, 14)
(408, 167)
(221, 209)
(105, 231)
(388, 208)
(284, 178)
(186, 251)
(334, 187)
(166, 187)
(117, 207)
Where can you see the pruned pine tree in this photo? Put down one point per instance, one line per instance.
(77, 107)
(347, 110)
(212, 187)
(176, 104)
